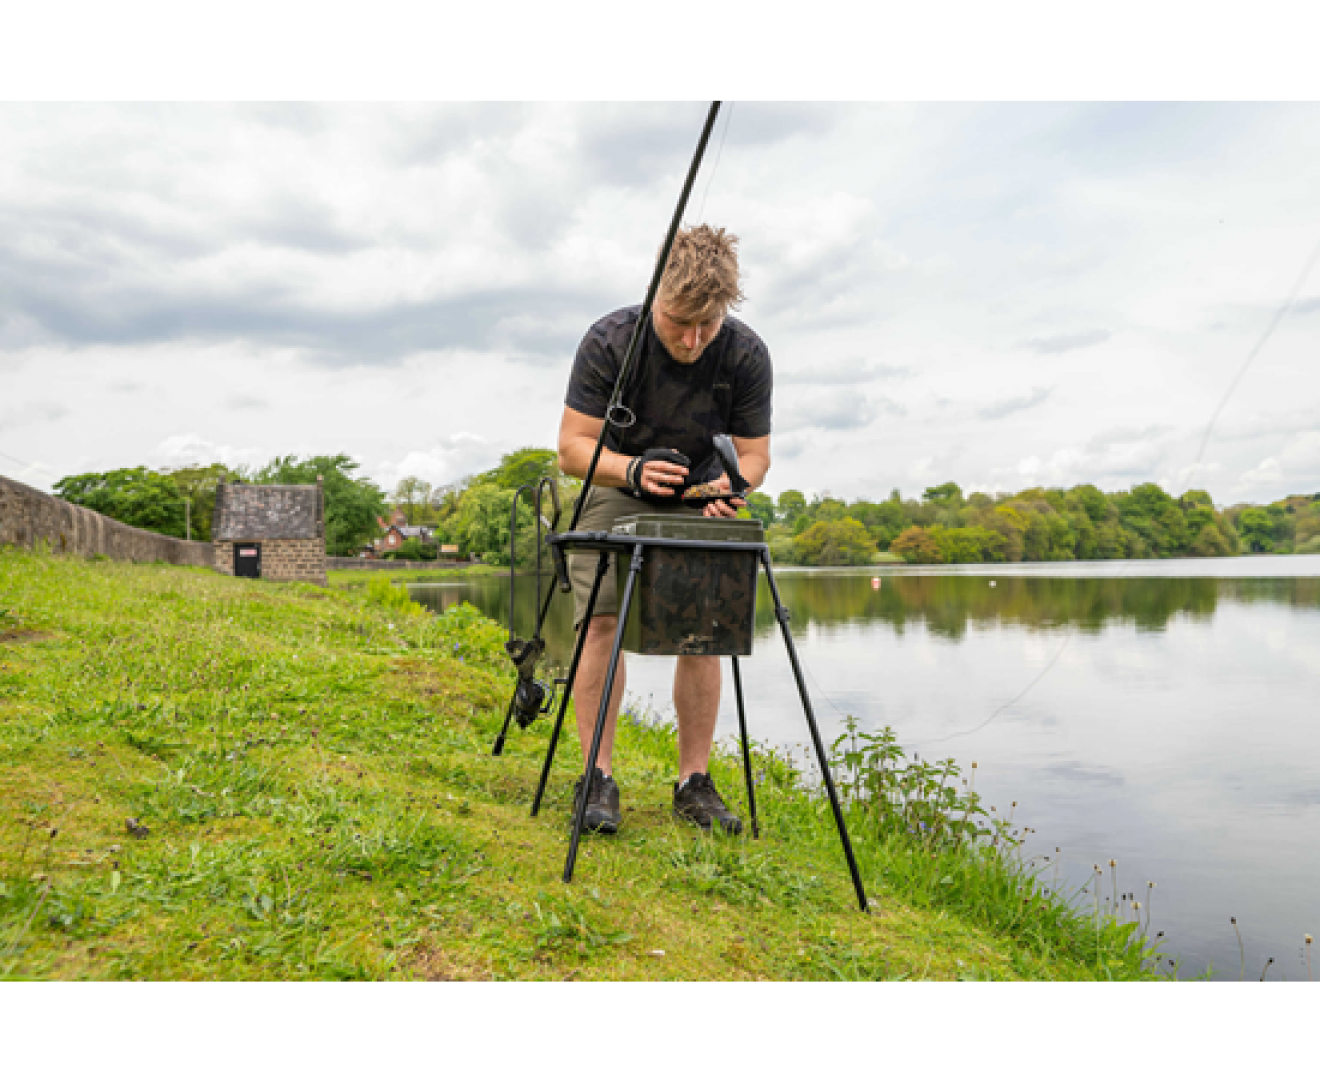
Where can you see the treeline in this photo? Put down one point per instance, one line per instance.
(472, 514)
(181, 502)
(943, 526)
(475, 513)
(1036, 525)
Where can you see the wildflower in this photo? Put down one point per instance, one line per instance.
(1112, 862)
(1308, 939)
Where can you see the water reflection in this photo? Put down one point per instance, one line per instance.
(946, 606)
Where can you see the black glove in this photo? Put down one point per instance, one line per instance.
(634, 473)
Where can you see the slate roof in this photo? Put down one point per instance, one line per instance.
(268, 512)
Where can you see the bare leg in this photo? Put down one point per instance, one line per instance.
(591, 682)
(697, 701)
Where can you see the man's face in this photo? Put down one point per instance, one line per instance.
(685, 336)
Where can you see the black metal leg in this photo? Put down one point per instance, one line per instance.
(588, 772)
(498, 748)
(602, 565)
(746, 748)
(781, 614)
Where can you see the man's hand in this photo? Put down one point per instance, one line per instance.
(661, 478)
(723, 508)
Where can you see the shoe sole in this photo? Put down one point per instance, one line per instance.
(728, 830)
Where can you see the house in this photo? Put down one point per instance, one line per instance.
(272, 531)
(396, 530)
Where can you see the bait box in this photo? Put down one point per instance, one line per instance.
(691, 601)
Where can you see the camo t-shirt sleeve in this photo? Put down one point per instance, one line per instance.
(595, 368)
(752, 390)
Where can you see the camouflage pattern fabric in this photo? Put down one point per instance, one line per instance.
(678, 406)
(604, 507)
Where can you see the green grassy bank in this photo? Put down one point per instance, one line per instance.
(210, 778)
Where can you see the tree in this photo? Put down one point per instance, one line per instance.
(138, 497)
(916, 545)
(836, 543)
(352, 503)
(972, 544)
(197, 484)
(413, 549)
(792, 504)
(521, 467)
(946, 496)
(761, 507)
(413, 497)
(1256, 528)
(1210, 542)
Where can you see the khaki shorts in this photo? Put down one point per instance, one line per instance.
(604, 507)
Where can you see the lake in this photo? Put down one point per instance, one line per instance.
(1161, 713)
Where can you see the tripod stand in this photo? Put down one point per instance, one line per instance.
(636, 548)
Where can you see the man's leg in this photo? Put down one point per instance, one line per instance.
(697, 701)
(592, 670)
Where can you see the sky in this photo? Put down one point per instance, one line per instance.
(1002, 295)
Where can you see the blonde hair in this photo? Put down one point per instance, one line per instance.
(702, 274)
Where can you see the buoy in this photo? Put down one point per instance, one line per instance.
(992, 584)
(875, 583)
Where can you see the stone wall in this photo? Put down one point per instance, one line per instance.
(29, 517)
(281, 560)
(338, 562)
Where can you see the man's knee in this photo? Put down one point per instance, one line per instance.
(602, 628)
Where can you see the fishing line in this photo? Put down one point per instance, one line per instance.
(957, 734)
(27, 465)
(1269, 332)
(716, 166)
(1025, 691)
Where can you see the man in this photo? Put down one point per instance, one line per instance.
(698, 373)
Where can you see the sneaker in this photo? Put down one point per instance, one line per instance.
(602, 803)
(697, 802)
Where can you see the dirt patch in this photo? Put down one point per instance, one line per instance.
(19, 637)
(432, 963)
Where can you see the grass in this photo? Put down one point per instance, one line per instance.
(204, 777)
(358, 578)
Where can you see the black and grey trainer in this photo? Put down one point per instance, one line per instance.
(697, 801)
(602, 803)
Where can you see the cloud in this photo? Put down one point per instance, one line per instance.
(834, 409)
(32, 413)
(1062, 343)
(246, 401)
(444, 462)
(1120, 436)
(1008, 406)
(181, 451)
(846, 372)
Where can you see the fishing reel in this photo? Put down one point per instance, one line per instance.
(532, 698)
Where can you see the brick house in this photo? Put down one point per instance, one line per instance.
(272, 531)
(396, 530)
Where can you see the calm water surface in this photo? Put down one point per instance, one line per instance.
(1165, 714)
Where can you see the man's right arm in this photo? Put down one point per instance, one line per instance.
(578, 433)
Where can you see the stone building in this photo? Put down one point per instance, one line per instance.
(272, 531)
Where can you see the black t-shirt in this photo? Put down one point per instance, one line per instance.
(678, 406)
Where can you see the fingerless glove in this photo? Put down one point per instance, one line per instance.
(634, 472)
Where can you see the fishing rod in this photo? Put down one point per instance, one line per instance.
(617, 414)
(525, 654)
